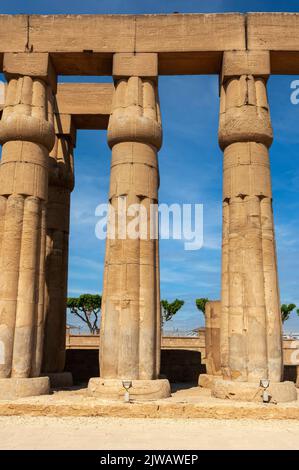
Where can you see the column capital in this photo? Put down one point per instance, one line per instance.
(135, 115)
(135, 65)
(31, 64)
(237, 63)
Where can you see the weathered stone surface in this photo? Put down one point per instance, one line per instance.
(251, 346)
(237, 63)
(187, 404)
(135, 65)
(112, 389)
(273, 31)
(212, 334)
(206, 380)
(38, 65)
(190, 32)
(279, 392)
(14, 388)
(142, 33)
(77, 33)
(186, 43)
(61, 183)
(134, 49)
(130, 324)
(88, 104)
(13, 33)
(85, 44)
(27, 136)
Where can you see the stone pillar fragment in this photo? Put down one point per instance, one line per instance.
(251, 344)
(130, 327)
(27, 136)
(61, 183)
(212, 344)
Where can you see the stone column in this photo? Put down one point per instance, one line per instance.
(130, 326)
(212, 344)
(251, 332)
(27, 136)
(61, 184)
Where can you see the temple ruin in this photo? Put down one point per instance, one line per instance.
(38, 137)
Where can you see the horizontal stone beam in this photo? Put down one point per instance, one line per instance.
(279, 34)
(89, 104)
(79, 105)
(85, 44)
(142, 33)
(185, 43)
(273, 31)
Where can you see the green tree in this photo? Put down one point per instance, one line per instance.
(201, 304)
(87, 307)
(169, 309)
(286, 310)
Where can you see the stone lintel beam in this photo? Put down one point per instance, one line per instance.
(278, 33)
(89, 104)
(185, 43)
(273, 31)
(137, 33)
(85, 44)
(79, 106)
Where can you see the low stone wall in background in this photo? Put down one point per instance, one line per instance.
(176, 364)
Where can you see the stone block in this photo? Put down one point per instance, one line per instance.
(13, 388)
(135, 65)
(141, 389)
(33, 64)
(279, 392)
(236, 63)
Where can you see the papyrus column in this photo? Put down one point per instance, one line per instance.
(250, 324)
(61, 183)
(27, 135)
(130, 328)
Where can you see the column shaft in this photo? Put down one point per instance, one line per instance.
(251, 325)
(61, 183)
(130, 327)
(27, 135)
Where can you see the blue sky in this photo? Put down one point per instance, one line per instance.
(190, 167)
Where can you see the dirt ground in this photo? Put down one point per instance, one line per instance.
(117, 433)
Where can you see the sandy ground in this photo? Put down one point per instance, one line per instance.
(115, 433)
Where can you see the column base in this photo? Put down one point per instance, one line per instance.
(60, 379)
(13, 388)
(112, 389)
(207, 380)
(279, 392)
